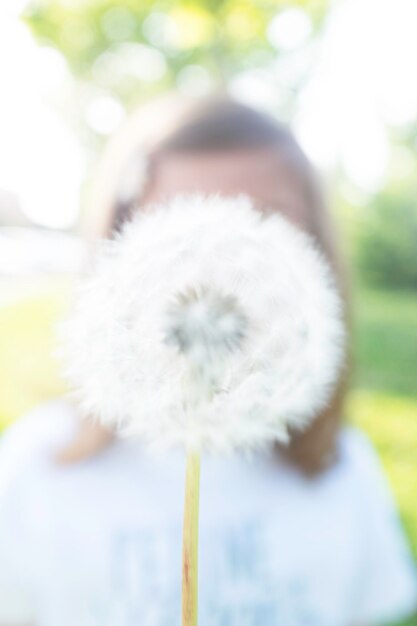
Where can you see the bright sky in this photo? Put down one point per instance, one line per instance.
(362, 77)
(365, 79)
(40, 159)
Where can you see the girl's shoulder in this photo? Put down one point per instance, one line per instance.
(356, 449)
(389, 577)
(360, 477)
(359, 457)
(34, 437)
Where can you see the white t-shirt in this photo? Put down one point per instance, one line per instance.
(98, 543)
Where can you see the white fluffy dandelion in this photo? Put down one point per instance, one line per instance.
(207, 293)
(209, 326)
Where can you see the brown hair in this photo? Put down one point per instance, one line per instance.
(221, 124)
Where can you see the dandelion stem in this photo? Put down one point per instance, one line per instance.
(190, 541)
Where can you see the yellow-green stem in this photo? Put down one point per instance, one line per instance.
(190, 541)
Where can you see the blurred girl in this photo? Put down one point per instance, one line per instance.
(90, 526)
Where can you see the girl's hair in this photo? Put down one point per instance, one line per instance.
(221, 124)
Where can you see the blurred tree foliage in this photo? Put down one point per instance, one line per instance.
(387, 240)
(134, 49)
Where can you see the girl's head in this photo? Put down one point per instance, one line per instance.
(220, 146)
(209, 146)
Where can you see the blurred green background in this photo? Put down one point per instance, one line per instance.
(119, 54)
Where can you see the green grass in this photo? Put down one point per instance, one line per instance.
(386, 342)
(28, 369)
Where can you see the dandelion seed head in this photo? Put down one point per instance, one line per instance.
(206, 325)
